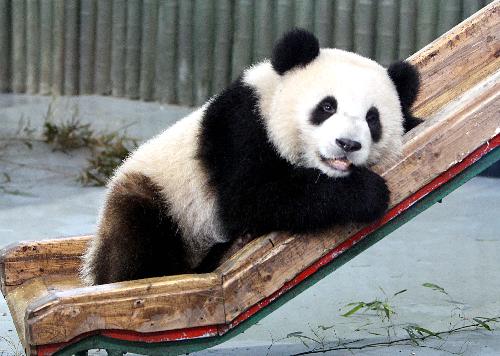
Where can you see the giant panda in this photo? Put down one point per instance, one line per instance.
(286, 147)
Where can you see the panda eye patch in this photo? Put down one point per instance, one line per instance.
(373, 120)
(325, 108)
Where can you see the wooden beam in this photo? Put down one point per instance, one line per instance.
(146, 305)
(25, 260)
(458, 60)
(445, 139)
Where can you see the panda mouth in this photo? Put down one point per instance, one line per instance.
(340, 164)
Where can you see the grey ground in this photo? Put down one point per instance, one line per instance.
(455, 245)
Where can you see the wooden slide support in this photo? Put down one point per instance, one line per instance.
(54, 313)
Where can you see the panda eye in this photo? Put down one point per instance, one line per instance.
(372, 115)
(329, 107)
(373, 121)
(323, 110)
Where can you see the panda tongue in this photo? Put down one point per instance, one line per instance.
(342, 164)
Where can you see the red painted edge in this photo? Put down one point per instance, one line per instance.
(215, 330)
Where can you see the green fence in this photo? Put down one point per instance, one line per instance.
(183, 51)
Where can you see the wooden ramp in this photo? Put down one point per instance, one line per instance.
(54, 313)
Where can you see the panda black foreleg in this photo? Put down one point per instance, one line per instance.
(305, 201)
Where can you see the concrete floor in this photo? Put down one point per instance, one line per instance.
(455, 245)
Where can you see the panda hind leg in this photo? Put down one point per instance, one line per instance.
(136, 237)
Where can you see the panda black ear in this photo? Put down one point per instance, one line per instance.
(297, 47)
(407, 80)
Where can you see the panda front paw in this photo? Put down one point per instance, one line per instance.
(373, 196)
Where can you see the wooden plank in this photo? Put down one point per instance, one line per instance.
(458, 60)
(71, 50)
(148, 48)
(119, 37)
(18, 50)
(88, 12)
(387, 29)
(102, 76)
(242, 36)
(343, 24)
(185, 53)
(449, 15)
(304, 14)
(364, 27)
(203, 55)
(5, 43)
(407, 26)
(166, 52)
(26, 260)
(221, 72)
(323, 24)
(45, 46)
(268, 263)
(426, 21)
(32, 46)
(57, 82)
(149, 305)
(133, 49)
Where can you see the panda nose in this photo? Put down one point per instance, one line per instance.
(348, 145)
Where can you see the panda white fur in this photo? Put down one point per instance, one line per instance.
(284, 148)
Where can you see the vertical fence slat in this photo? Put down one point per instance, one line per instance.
(343, 25)
(119, 35)
(222, 46)
(133, 50)
(149, 26)
(407, 25)
(4, 45)
(58, 48)
(364, 27)
(304, 14)
(426, 22)
(185, 50)
(263, 29)
(284, 17)
(387, 31)
(71, 56)
(88, 14)
(18, 46)
(449, 15)
(166, 52)
(203, 33)
(469, 7)
(185, 64)
(242, 43)
(102, 83)
(32, 46)
(45, 46)
(323, 26)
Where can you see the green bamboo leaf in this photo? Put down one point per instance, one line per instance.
(400, 292)
(435, 287)
(411, 333)
(354, 310)
(322, 327)
(294, 334)
(482, 323)
(422, 331)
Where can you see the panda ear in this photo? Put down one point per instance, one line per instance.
(407, 81)
(297, 47)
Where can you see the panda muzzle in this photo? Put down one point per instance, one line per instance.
(340, 164)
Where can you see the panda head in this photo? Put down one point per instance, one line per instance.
(330, 109)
